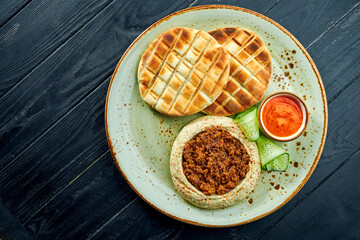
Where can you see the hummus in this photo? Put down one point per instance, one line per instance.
(189, 191)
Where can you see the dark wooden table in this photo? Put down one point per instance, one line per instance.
(57, 177)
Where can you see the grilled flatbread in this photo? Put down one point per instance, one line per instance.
(183, 71)
(250, 71)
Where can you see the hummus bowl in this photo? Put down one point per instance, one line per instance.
(191, 193)
(140, 139)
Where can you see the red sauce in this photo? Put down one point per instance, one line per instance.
(282, 116)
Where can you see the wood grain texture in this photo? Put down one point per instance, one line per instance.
(148, 226)
(339, 75)
(337, 52)
(68, 75)
(263, 7)
(74, 213)
(9, 9)
(52, 161)
(309, 19)
(57, 186)
(36, 32)
(10, 228)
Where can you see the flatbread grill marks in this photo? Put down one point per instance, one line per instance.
(250, 71)
(183, 71)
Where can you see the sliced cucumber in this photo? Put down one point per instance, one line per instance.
(247, 121)
(268, 150)
(279, 164)
(243, 113)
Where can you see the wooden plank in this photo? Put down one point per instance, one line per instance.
(63, 152)
(154, 225)
(308, 20)
(67, 76)
(331, 213)
(341, 141)
(82, 206)
(8, 9)
(263, 8)
(9, 226)
(108, 216)
(336, 53)
(35, 33)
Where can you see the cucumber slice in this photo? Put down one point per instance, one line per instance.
(243, 113)
(247, 121)
(268, 150)
(279, 164)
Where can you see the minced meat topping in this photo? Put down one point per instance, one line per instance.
(215, 162)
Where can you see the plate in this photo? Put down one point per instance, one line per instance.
(140, 139)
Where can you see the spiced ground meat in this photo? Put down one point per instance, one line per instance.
(215, 162)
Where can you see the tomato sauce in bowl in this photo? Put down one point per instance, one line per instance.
(283, 116)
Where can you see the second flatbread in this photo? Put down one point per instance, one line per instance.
(250, 71)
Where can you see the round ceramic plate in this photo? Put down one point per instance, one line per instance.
(140, 138)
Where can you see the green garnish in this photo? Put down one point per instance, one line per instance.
(272, 156)
(248, 123)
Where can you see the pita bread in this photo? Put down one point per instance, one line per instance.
(250, 71)
(183, 71)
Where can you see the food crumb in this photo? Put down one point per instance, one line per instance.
(277, 187)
